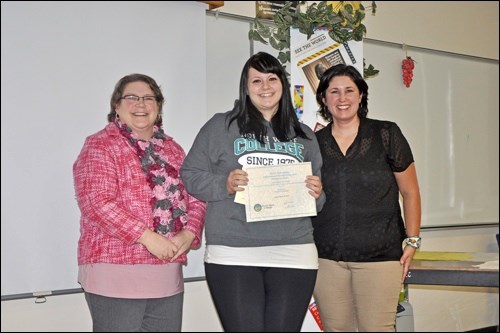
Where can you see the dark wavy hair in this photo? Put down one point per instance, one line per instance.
(342, 70)
(118, 94)
(249, 118)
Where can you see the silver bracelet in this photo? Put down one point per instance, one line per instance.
(413, 241)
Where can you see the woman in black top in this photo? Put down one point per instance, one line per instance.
(360, 231)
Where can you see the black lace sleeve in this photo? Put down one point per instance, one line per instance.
(399, 154)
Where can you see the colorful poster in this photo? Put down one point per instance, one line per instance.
(309, 59)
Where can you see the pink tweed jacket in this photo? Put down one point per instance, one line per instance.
(114, 199)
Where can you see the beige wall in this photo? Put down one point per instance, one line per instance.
(458, 26)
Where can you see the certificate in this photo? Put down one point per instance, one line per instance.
(277, 192)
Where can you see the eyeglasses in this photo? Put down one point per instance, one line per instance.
(134, 99)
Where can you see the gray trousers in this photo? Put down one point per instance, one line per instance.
(135, 315)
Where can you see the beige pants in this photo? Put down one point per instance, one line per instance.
(360, 297)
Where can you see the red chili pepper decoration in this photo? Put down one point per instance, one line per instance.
(407, 65)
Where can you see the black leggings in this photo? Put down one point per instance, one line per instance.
(260, 299)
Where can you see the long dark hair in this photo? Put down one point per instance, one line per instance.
(118, 94)
(342, 70)
(250, 120)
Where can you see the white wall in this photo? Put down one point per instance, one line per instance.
(60, 62)
(436, 308)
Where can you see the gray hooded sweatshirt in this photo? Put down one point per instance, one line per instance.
(217, 151)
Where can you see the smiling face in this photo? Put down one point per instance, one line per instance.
(264, 90)
(342, 98)
(139, 115)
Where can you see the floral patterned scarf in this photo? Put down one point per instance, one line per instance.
(168, 201)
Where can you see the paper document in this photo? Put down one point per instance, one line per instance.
(277, 192)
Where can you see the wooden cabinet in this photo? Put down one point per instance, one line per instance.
(214, 4)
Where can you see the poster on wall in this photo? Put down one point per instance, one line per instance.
(309, 59)
(267, 9)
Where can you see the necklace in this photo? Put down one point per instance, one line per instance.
(168, 201)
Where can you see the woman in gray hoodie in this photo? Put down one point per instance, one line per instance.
(261, 275)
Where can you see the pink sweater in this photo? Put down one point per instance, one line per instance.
(114, 199)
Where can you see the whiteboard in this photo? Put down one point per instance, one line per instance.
(449, 116)
(60, 62)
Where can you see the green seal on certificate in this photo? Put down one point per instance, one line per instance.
(257, 207)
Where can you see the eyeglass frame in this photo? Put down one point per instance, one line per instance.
(137, 99)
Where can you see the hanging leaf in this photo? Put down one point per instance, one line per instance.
(344, 23)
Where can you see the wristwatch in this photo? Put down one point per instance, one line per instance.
(413, 241)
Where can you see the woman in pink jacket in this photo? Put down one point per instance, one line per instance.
(137, 220)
